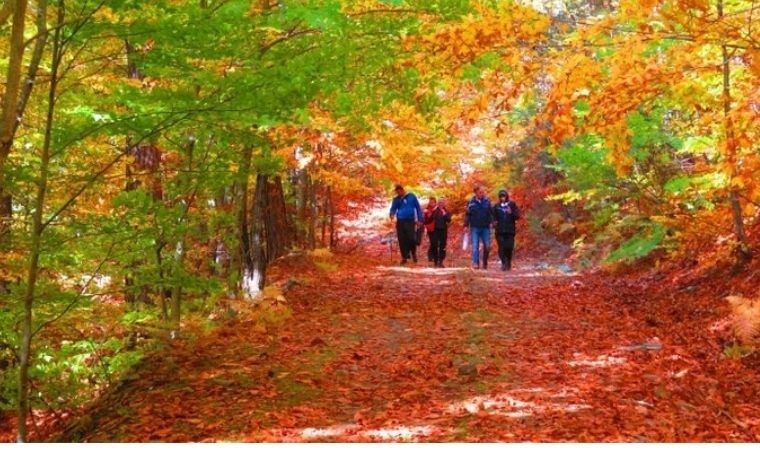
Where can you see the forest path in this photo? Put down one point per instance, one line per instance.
(385, 353)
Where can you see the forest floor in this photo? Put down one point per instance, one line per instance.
(371, 351)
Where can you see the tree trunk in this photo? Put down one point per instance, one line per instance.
(278, 231)
(35, 248)
(15, 101)
(331, 205)
(131, 183)
(244, 231)
(302, 204)
(8, 113)
(313, 214)
(743, 251)
(325, 216)
(255, 274)
(188, 198)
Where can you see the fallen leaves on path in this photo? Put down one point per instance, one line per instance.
(378, 353)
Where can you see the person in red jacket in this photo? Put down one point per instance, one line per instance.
(439, 224)
(430, 225)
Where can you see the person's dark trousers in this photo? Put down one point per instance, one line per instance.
(506, 247)
(406, 240)
(431, 248)
(438, 240)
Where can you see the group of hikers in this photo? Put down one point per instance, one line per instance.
(480, 217)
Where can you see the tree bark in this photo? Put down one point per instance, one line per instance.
(331, 205)
(255, 275)
(131, 183)
(278, 231)
(8, 114)
(743, 251)
(180, 251)
(15, 100)
(35, 247)
(244, 231)
(302, 204)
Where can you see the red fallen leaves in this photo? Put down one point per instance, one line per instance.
(538, 358)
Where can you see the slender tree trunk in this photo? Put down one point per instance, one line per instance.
(13, 77)
(255, 275)
(744, 253)
(6, 217)
(331, 205)
(244, 230)
(14, 102)
(180, 251)
(313, 214)
(176, 298)
(164, 295)
(302, 203)
(278, 231)
(306, 209)
(35, 247)
(325, 216)
(131, 183)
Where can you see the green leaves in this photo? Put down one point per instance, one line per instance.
(649, 238)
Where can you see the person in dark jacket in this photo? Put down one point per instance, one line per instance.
(505, 214)
(478, 218)
(406, 209)
(439, 223)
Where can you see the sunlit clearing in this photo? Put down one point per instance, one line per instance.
(338, 430)
(601, 361)
(400, 432)
(392, 433)
(508, 406)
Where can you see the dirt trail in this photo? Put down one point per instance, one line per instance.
(378, 353)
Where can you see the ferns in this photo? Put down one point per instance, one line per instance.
(745, 319)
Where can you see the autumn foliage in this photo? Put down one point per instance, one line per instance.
(187, 180)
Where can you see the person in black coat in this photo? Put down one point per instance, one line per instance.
(505, 214)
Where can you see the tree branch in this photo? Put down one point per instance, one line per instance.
(79, 295)
(6, 11)
(287, 36)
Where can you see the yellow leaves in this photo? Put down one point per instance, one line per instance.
(321, 253)
(107, 14)
(481, 103)
(617, 137)
(638, 8)
(511, 27)
(700, 5)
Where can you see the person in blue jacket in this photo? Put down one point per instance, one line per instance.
(505, 215)
(478, 218)
(406, 209)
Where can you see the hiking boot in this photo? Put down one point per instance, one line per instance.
(404, 261)
(414, 259)
(503, 267)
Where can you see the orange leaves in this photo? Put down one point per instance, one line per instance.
(699, 5)
(406, 355)
(511, 27)
(753, 59)
(617, 137)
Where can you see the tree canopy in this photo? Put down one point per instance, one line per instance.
(159, 155)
